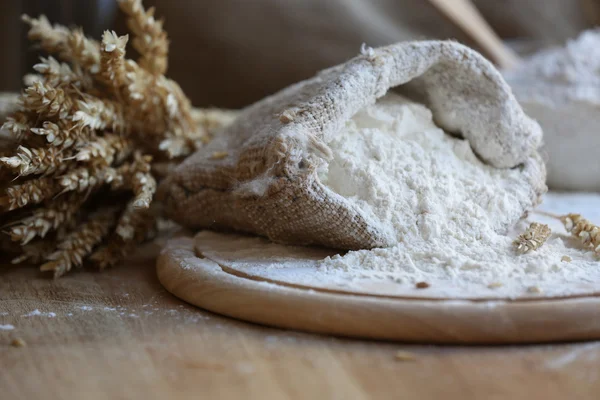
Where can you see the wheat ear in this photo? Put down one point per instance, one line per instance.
(43, 220)
(80, 243)
(30, 192)
(533, 238)
(150, 39)
(580, 228)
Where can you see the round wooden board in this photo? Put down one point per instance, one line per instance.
(204, 283)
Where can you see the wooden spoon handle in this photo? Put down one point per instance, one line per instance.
(466, 16)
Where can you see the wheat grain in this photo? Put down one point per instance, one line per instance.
(85, 179)
(80, 243)
(144, 187)
(30, 192)
(70, 45)
(405, 356)
(533, 238)
(139, 224)
(106, 150)
(583, 230)
(137, 177)
(37, 251)
(83, 51)
(63, 134)
(101, 114)
(79, 124)
(150, 39)
(30, 79)
(18, 342)
(17, 125)
(27, 161)
(177, 147)
(47, 101)
(57, 74)
(52, 38)
(219, 155)
(114, 73)
(46, 219)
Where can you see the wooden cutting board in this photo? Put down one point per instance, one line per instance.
(248, 288)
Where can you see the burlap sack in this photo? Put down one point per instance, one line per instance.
(259, 175)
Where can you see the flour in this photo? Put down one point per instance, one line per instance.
(559, 87)
(38, 313)
(576, 62)
(449, 211)
(6, 327)
(394, 163)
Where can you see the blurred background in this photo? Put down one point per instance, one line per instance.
(229, 53)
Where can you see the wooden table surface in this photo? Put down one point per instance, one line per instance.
(120, 335)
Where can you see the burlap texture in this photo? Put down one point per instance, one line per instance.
(268, 185)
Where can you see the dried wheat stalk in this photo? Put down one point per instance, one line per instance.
(150, 39)
(52, 39)
(114, 72)
(80, 243)
(57, 74)
(580, 228)
(132, 230)
(47, 101)
(583, 230)
(46, 219)
(533, 238)
(37, 251)
(63, 134)
(93, 127)
(27, 161)
(29, 192)
(17, 125)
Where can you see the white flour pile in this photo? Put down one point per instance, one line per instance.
(560, 88)
(394, 162)
(576, 62)
(448, 210)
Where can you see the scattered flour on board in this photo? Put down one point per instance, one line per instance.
(7, 327)
(448, 210)
(38, 313)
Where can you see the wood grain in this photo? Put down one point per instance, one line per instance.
(181, 352)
